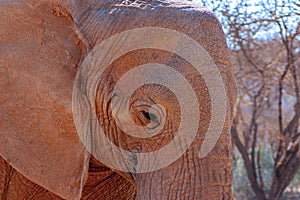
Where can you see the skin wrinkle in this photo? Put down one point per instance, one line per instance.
(9, 173)
(204, 186)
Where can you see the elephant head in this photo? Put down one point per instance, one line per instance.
(145, 87)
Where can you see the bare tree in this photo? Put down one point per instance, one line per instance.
(264, 38)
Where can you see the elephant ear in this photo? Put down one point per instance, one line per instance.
(39, 53)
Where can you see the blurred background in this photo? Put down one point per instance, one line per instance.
(264, 39)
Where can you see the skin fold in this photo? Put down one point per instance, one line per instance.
(42, 46)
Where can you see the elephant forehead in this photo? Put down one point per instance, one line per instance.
(112, 17)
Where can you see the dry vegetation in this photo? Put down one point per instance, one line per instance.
(264, 38)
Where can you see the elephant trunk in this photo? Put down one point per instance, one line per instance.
(191, 177)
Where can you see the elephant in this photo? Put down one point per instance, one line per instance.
(45, 83)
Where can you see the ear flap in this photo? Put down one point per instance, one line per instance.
(39, 52)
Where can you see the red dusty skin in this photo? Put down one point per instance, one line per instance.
(42, 46)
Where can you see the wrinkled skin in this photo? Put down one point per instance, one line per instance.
(42, 45)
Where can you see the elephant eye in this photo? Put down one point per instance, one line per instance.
(149, 116)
